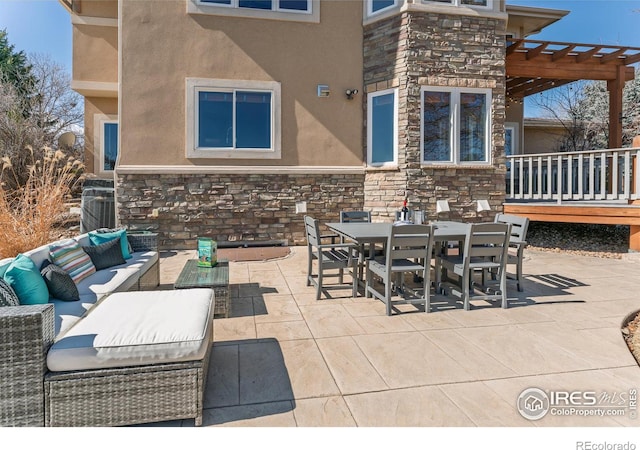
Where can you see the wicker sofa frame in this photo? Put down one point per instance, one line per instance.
(32, 396)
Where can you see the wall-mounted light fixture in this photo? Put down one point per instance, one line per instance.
(323, 90)
(350, 93)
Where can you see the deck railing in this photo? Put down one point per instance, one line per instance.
(608, 174)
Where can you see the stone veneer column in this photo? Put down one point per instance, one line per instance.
(415, 49)
(232, 208)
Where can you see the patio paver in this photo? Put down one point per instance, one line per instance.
(285, 359)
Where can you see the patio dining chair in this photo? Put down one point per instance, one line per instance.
(517, 243)
(331, 256)
(485, 249)
(408, 250)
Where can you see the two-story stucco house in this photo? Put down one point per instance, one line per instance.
(230, 118)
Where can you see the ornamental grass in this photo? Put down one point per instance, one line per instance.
(31, 214)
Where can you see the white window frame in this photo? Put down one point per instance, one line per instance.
(372, 13)
(489, 5)
(454, 124)
(370, 97)
(99, 121)
(515, 137)
(312, 14)
(196, 85)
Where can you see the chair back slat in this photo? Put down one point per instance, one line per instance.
(312, 228)
(409, 242)
(488, 240)
(519, 226)
(355, 216)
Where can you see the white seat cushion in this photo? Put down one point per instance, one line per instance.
(68, 313)
(137, 328)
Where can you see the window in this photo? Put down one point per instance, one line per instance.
(378, 6)
(299, 6)
(109, 152)
(475, 3)
(382, 127)
(455, 125)
(233, 119)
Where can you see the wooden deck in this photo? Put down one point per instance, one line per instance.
(605, 213)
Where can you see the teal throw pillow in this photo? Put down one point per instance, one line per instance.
(24, 278)
(100, 238)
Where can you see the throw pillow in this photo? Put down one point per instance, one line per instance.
(113, 230)
(101, 238)
(59, 282)
(7, 296)
(105, 255)
(69, 256)
(24, 278)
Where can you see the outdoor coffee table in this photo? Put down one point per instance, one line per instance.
(216, 277)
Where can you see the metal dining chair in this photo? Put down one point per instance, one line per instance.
(408, 250)
(332, 256)
(485, 249)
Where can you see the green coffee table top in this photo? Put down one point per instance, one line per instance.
(193, 276)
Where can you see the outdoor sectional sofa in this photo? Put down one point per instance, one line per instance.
(118, 356)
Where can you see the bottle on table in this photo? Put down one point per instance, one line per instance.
(404, 212)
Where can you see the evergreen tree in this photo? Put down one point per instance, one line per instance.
(16, 70)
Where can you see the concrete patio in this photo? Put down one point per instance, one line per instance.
(283, 359)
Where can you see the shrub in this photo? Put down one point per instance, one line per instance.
(29, 214)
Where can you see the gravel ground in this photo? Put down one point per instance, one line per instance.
(604, 241)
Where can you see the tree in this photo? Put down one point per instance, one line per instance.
(582, 108)
(52, 109)
(16, 70)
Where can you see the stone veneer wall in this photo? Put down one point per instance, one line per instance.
(418, 48)
(232, 208)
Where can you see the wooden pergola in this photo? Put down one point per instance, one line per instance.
(535, 66)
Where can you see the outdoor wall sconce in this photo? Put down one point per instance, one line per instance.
(350, 93)
(483, 205)
(323, 90)
(442, 206)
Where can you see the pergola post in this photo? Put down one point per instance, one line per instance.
(615, 88)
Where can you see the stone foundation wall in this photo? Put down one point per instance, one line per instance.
(233, 209)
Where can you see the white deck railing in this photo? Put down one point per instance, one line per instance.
(588, 175)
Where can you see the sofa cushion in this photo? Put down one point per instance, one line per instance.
(105, 255)
(7, 296)
(97, 238)
(59, 282)
(115, 230)
(24, 278)
(66, 314)
(71, 258)
(113, 279)
(138, 328)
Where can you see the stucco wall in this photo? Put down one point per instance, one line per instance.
(99, 8)
(543, 139)
(95, 53)
(163, 46)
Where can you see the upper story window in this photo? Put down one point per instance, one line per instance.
(294, 10)
(271, 5)
(382, 128)
(233, 119)
(455, 125)
(378, 6)
(477, 3)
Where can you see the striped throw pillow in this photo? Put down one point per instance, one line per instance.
(69, 256)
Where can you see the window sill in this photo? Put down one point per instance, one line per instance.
(390, 168)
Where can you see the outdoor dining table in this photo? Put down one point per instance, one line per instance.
(371, 233)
